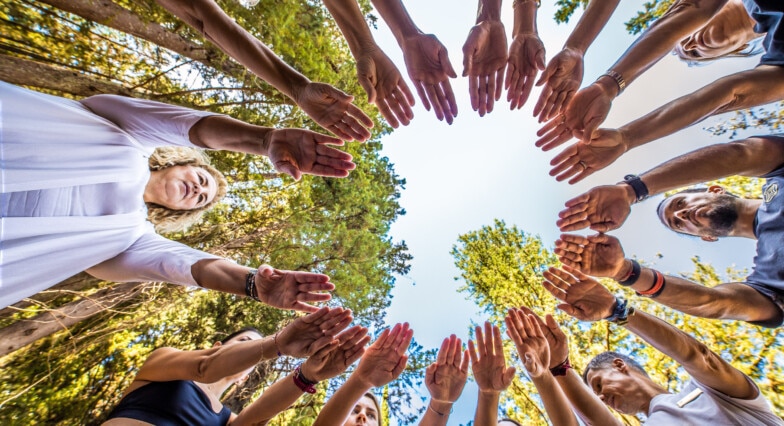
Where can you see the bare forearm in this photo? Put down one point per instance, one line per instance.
(436, 414)
(351, 23)
(338, 408)
(396, 16)
(585, 403)
(682, 19)
(748, 157)
(591, 24)
(221, 275)
(525, 18)
(276, 399)
(226, 133)
(746, 89)
(555, 402)
(734, 301)
(487, 409)
(488, 10)
(208, 18)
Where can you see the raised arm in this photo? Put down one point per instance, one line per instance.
(526, 53)
(426, 59)
(484, 57)
(328, 362)
(583, 294)
(445, 380)
(377, 74)
(604, 208)
(564, 73)
(490, 372)
(590, 106)
(532, 346)
(304, 336)
(382, 362)
(326, 105)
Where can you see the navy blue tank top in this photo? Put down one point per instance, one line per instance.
(175, 403)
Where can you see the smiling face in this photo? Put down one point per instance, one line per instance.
(365, 413)
(727, 32)
(181, 188)
(708, 215)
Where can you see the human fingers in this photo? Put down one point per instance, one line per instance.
(508, 375)
(453, 349)
(387, 113)
(307, 288)
(586, 171)
(368, 86)
(449, 97)
(381, 340)
(442, 353)
(400, 366)
(405, 340)
(420, 88)
(570, 310)
(404, 100)
(528, 83)
(576, 274)
(465, 361)
(433, 96)
(473, 91)
(559, 134)
(543, 103)
(331, 153)
(561, 99)
(565, 274)
(356, 114)
(511, 328)
(574, 222)
(554, 328)
(572, 242)
(430, 374)
(335, 325)
(480, 342)
(536, 327)
(351, 127)
(472, 352)
(498, 344)
(569, 170)
(567, 159)
(309, 297)
(499, 82)
(550, 126)
(568, 257)
(483, 95)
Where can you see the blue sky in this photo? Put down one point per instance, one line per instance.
(460, 177)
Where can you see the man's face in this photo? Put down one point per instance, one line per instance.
(618, 389)
(708, 215)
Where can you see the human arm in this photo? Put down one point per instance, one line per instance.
(445, 380)
(328, 362)
(376, 72)
(303, 336)
(526, 54)
(381, 363)
(426, 59)
(277, 288)
(328, 106)
(488, 365)
(484, 57)
(586, 299)
(590, 106)
(604, 208)
(564, 74)
(534, 350)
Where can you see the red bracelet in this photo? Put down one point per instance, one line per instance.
(658, 283)
(560, 369)
(302, 383)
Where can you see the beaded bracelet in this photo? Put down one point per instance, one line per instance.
(560, 369)
(250, 285)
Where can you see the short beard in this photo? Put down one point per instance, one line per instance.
(722, 216)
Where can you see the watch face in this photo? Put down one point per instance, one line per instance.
(630, 177)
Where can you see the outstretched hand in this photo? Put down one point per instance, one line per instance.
(385, 86)
(526, 59)
(602, 208)
(446, 377)
(532, 346)
(584, 298)
(332, 109)
(386, 358)
(599, 255)
(582, 159)
(556, 338)
(308, 334)
(298, 151)
(561, 79)
(489, 365)
(484, 60)
(292, 289)
(333, 359)
(430, 70)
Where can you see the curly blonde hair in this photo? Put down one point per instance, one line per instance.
(166, 219)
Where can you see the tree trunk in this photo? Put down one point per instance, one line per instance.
(114, 16)
(29, 73)
(25, 332)
(76, 283)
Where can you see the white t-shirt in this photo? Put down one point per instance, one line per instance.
(703, 406)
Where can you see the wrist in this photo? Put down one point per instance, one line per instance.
(638, 187)
(562, 368)
(608, 85)
(441, 408)
(575, 47)
(303, 382)
(488, 12)
(624, 272)
(296, 87)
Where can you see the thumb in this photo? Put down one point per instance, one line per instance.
(443, 57)
(290, 169)
(366, 84)
(266, 271)
(569, 309)
(528, 362)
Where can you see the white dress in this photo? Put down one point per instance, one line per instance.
(72, 178)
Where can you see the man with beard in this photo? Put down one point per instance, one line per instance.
(707, 213)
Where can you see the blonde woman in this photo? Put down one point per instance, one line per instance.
(82, 190)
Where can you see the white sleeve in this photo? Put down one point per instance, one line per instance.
(151, 123)
(152, 258)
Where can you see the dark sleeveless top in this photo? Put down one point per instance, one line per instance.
(175, 403)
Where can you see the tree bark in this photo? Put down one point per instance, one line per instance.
(114, 16)
(25, 332)
(29, 73)
(76, 283)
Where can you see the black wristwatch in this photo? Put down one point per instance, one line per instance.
(640, 190)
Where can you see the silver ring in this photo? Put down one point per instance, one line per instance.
(582, 163)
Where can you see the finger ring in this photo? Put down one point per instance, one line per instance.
(582, 163)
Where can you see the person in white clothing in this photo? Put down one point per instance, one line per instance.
(77, 187)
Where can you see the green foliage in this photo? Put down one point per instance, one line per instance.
(635, 25)
(336, 226)
(501, 268)
(770, 120)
